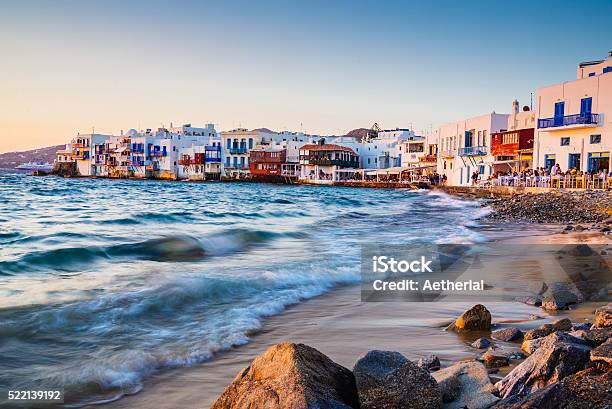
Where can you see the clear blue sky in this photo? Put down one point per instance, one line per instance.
(68, 66)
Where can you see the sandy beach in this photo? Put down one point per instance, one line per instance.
(342, 327)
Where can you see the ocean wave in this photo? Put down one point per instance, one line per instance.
(176, 248)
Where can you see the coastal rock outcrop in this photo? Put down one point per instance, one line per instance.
(481, 343)
(291, 376)
(477, 318)
(543, 330)
(387, 379)
(598, 336)
(475, 388)
(603, 317)
(603, 354)
(589, 388)
(558, 356)
(508, 334)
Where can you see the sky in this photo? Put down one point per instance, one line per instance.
(323, 67)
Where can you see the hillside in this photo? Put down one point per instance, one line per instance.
(10, 160)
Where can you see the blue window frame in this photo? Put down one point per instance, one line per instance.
(242, 161)
(565, 141)
(235, 161)
(228, 161)
(591, 74)
(229, 144)
(585, 106)
(481, 169)
(607, 69)
(250, 143)
(468, 138)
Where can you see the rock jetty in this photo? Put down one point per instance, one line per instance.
(562, 371)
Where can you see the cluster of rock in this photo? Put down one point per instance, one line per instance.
(570, 367)
(554, 207)
(563, 295)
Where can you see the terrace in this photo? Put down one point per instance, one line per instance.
(473, 151)
(575, 121)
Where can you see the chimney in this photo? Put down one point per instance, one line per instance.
(515, 107)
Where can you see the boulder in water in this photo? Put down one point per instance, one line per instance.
(387, 379)
(508, 334)
(430, 362)
(293, 376)
(477, 318)
(481, 343)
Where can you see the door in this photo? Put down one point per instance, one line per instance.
(559, 113)
(549, 161)
(586, 105)
(468, 139)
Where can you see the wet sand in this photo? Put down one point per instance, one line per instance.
(342, 327)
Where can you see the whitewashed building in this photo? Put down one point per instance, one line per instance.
(574, 120)
(464, 148)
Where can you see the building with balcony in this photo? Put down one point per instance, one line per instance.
(574, 126)
(85, 149)
(266, 163)
(512, 149)
(318, 162)
(464, 148)
(236, 145)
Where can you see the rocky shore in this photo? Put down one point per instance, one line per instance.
(564, 207)
(566, 365)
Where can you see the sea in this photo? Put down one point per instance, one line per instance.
(104, 283)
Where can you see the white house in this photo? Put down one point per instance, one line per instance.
(574, 125)
(464, 147)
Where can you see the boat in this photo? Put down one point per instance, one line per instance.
(36, 166)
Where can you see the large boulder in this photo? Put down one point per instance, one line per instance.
(543, 330)
(388, 380)
(559, 300)
(291, 376)
(603, 354)
(551, 397)
(558, 356)
(529, 346)
(477, 318)
(475, 388)
(508, 334)
(588, 389)
(603, 317)
(598, 336)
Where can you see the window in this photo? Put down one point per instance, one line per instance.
(227, 160)
(607, 69)
(565, 141)
(229, 143)
(591, 74)
(250, 143)
(595, 139)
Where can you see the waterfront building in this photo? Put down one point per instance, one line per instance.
(574, 120)
(512, 148)
(64, 155)
(319, 162)
(236, 145)
(265, 163)
(84, 148)
(464, 148)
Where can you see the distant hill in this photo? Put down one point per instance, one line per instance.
(359, 133)
(10, 160)
(265, 130)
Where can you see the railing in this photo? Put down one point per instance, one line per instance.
(473, 151)
(137, 163)
(212, 160)
(331, 162)
(558, 182)
(449, 153)
(428, 158)
(237, 150)
(158, 154)
(578, 119)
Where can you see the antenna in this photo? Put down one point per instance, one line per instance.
(531, 101)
